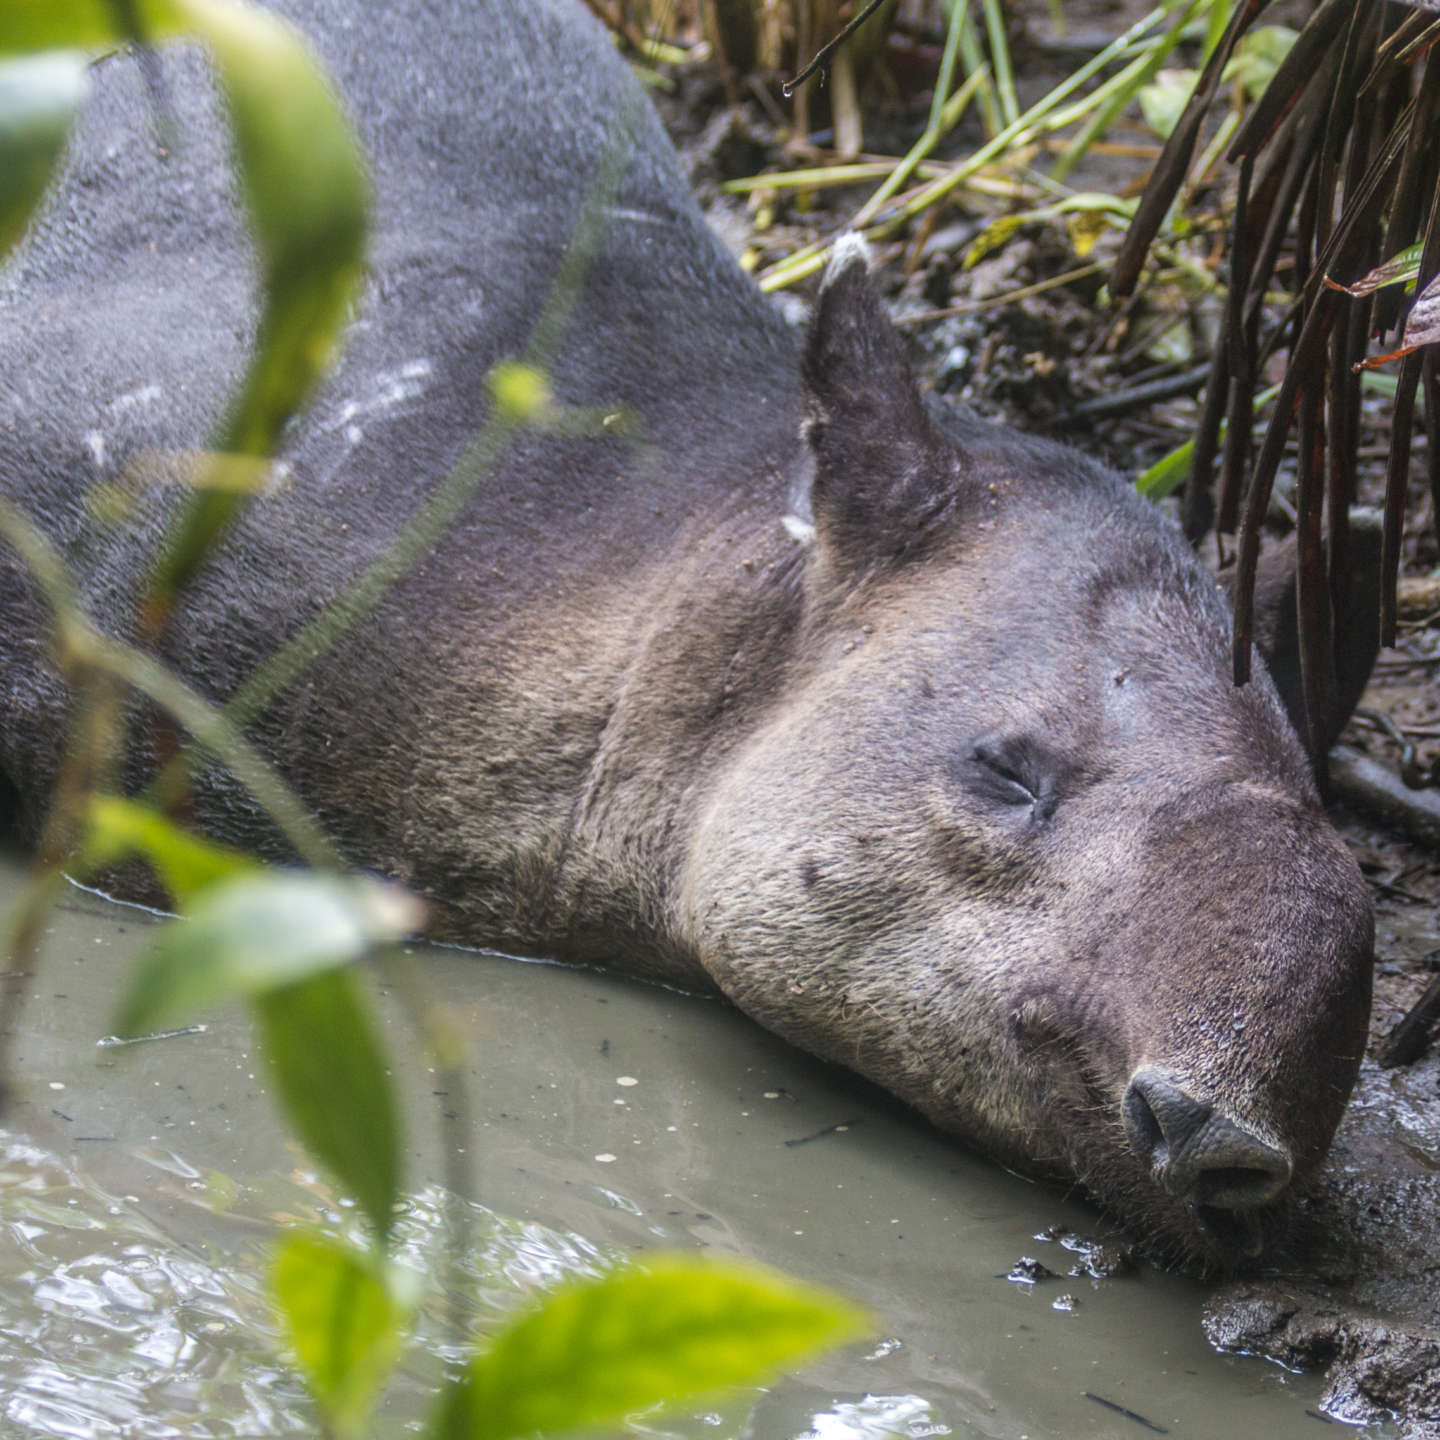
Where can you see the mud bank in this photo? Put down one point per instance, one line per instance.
(1360, 1302)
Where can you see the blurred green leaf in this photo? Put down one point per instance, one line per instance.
(27, 25)
(331, 1073)
(1163, 102)
(344, 1322)
(308, 193)
(256, 933)
(185, 863)
(1171, 471)
(1168, 473)
(38, 98)
(1258, 57)
(595, 1351)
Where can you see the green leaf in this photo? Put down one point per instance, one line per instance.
(27, 25)
(1168, 473)
(345, 1324)
(331, 1073)
(185, 863)
(595, 1351)
(256, 933)
(1258, 57)
(1163, 102)
(308, 194)
(1402, 266)
(38, 99)
(1171, 471)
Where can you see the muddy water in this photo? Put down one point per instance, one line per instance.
(141, 1184)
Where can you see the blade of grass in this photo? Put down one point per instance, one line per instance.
(948, 117)
(1138, 73)
(947, 66)
(826, 177)
(1000, 60)
(1174, 162)
(812, 258)
(1218, 19)
(973, 59)
(1168, 473)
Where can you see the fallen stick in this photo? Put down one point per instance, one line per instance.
(1375, 791)
(1407, 1042)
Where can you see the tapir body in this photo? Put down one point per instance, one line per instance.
(915, 737)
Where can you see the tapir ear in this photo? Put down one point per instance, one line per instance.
(884, 476)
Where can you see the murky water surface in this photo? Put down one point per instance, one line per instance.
(142, 1184)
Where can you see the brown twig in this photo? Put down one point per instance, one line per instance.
(825, 51)
(1409, 1040)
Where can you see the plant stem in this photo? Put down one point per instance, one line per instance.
(1024, 129)
(1139, 73)
(949, 115)
(1000, 60)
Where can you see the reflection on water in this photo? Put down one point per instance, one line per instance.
(878, 1417)
(111, 1327)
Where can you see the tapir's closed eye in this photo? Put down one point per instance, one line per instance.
(1008, 773)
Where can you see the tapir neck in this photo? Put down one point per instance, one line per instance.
(619, 711)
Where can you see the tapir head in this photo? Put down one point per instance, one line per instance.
(1009, 840)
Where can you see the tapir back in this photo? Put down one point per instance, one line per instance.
(128, 314)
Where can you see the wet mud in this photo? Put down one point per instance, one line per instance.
(1360, 1302)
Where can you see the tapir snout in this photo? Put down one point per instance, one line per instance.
(1221, 1168)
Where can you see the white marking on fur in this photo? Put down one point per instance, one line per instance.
(798, 529)
(852, 248)
(388, 389)
(96, 441)
(803, 480)
(143, 396)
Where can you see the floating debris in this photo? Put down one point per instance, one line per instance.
(1100, 1260)
(1064, 1303)
(113, 1042)
(839, 1129)
(1128, 1414)
(884, 1348)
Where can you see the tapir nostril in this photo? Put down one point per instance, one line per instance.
(1147, 1137)
(1197, 1152)
(1161, 1118)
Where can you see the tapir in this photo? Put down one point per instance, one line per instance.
(914, 736)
